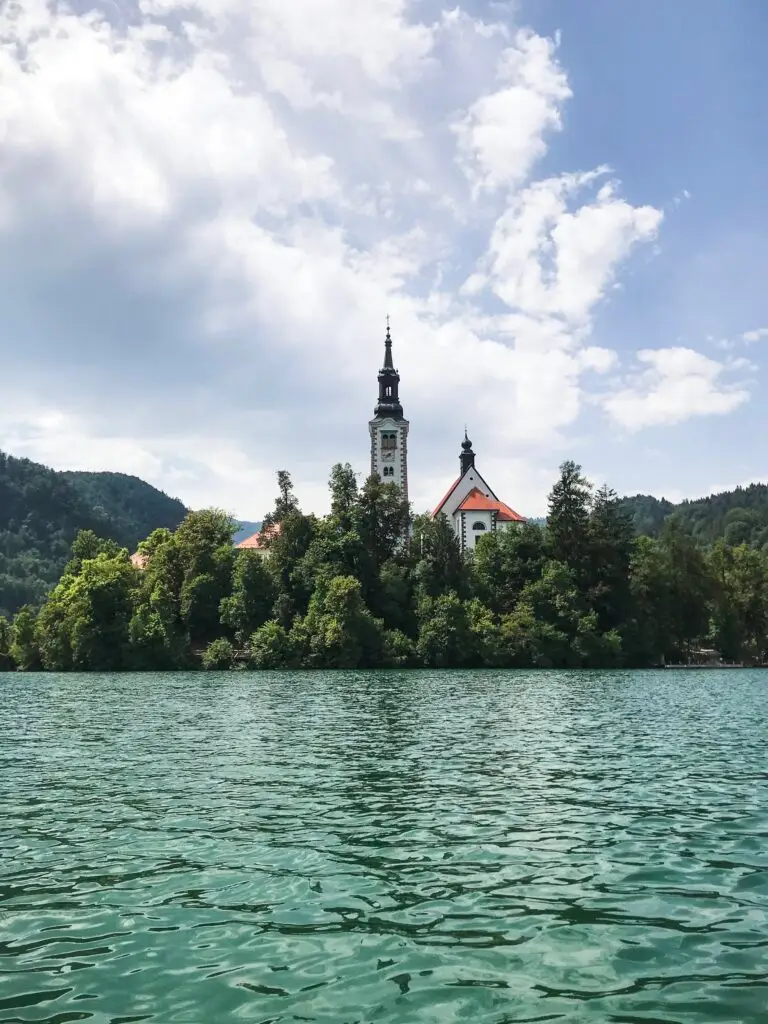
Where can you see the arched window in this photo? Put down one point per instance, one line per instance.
(388, 392)
(389, 471)
(478, 525)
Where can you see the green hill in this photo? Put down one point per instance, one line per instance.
(739, 516)
(42, 510)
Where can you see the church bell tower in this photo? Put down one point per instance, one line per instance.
(389, 428)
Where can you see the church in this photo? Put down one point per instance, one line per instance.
(470, 504)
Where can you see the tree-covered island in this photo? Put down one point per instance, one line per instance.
(350, 591)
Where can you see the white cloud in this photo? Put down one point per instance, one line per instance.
(672, 385)
(502, 134)
(751, 336)
(212, 204)
(545, 259)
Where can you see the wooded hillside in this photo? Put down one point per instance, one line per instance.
(42, 510)
(737, 517)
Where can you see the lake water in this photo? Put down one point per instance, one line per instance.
(386, 847)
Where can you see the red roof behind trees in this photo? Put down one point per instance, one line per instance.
(476, 501)
(258, 541)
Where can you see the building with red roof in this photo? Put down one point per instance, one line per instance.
(259, 541)
(471, 506)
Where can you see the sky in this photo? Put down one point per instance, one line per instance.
(208, 207)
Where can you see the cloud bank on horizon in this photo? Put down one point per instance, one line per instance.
(208, 206)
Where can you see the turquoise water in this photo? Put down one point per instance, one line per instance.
(384, 847)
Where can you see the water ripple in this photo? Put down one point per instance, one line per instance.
(385, 848)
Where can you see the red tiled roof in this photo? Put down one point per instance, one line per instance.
(476, 501)
(257, 540)
(447, 495)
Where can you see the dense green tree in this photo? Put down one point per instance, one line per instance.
(344, 496)
(689, 590)
(505, 562)
(393, 599)
(272, 647)
(159, 537)
(88, 545)
(84, 624)
(204, 558)
(439, 566)
(382, 517)
(293, 578)
(486, 647)
(252, 597)
(398, 650)
(611, 540)
(648, 634)
(338, 631)
(286, 505)
(363, 587)
(218, 655)
(42, 511)
(570, 501)
(6, 662)
(154, 642)
(740, 602)
(573, 639)
(23, 649)
(445, 639)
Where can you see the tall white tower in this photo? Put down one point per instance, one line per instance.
(389, 428)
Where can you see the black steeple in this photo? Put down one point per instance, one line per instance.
(388, 404)
(467, 457)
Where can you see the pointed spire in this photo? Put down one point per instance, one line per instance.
(389, 382)
(388, 364)
(467, 456)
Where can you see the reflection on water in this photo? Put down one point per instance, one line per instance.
(384, 847)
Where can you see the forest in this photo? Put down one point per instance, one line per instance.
(369, 585)
(42, 511)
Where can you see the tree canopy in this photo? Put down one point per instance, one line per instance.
(370, 585)
(42, 511)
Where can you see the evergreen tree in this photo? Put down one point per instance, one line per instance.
(570, 501)
(439, 566)
(505, 562)
(611, 540)
(690, 590)
(286, 504)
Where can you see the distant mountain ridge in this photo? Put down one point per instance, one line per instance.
(738, 516)
(42, 510)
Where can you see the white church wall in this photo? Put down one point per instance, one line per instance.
(476, 525)
(470, 479)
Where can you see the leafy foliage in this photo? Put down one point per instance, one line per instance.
(42, 511)
(368, 585)
(737, 517)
